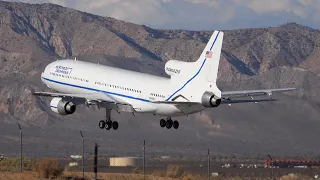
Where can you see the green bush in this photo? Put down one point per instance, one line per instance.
(49, 168)
(175, 171)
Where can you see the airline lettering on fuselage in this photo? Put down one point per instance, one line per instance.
(63, 70)
(177, 71)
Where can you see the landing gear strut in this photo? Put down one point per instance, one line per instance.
(169, 123)
(108, 124)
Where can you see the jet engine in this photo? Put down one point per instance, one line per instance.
(62, 107)
(210, 100)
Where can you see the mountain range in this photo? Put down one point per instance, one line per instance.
(33, 35)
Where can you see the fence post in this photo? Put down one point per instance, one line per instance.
(95, 170)
(144, 159)
(208, 164)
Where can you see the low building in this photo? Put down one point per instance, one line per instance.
(125, 161)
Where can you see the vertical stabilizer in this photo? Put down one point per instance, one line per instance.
(210, 57)
(199, 76)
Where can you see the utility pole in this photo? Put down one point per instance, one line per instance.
(95, 170)
(208, 164)
(144, 159)
(82, 155)
(271, 166)
(20, 147)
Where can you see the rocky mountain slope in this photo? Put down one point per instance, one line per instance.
(31, 36)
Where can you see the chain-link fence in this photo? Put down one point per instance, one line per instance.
(144, 162)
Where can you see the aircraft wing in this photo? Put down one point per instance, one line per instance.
(100, 99)
(250, 93)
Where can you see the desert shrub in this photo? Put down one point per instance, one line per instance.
(137, 170)
(159, 173)
(13, 164)
(294, 177)
(174, 171)
(49, 168)
(75, 177)
(188, 177)
(193, 177)
(237, 178)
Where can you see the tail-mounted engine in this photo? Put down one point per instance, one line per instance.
(210, 100)
(62, 107)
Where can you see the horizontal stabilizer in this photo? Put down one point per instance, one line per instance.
(246, 101)
(246, 93)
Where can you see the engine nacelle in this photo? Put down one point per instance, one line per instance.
(174, 67)
(62, 107)
(210, 100)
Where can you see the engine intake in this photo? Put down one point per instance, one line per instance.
(62, 107)
(210, 100)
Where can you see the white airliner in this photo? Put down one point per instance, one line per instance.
(191, 88)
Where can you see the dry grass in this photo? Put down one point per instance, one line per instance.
(49, 168)
(295, 177)
(16, 175)
(78, 175)
(175, 171)
(111, 176)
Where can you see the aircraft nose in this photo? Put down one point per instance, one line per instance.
(46, 71)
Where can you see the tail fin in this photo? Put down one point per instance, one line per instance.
(210, 57)
(200, 76)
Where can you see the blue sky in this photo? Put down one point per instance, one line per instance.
(201, 14)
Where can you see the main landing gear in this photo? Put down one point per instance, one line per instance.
(108, 124)
(169, 123)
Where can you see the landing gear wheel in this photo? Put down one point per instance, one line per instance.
(108, 125)
(102, 124)
(175, 124)
(163, 123)
(169, 124)
(115, 125)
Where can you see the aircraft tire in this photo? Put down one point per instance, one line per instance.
(163, 123)
(115, 125)
(175, 124)
(102, 124)
(108, 125)
(169, 124)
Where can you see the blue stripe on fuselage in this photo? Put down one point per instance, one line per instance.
(96, 90)
(204, 61)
